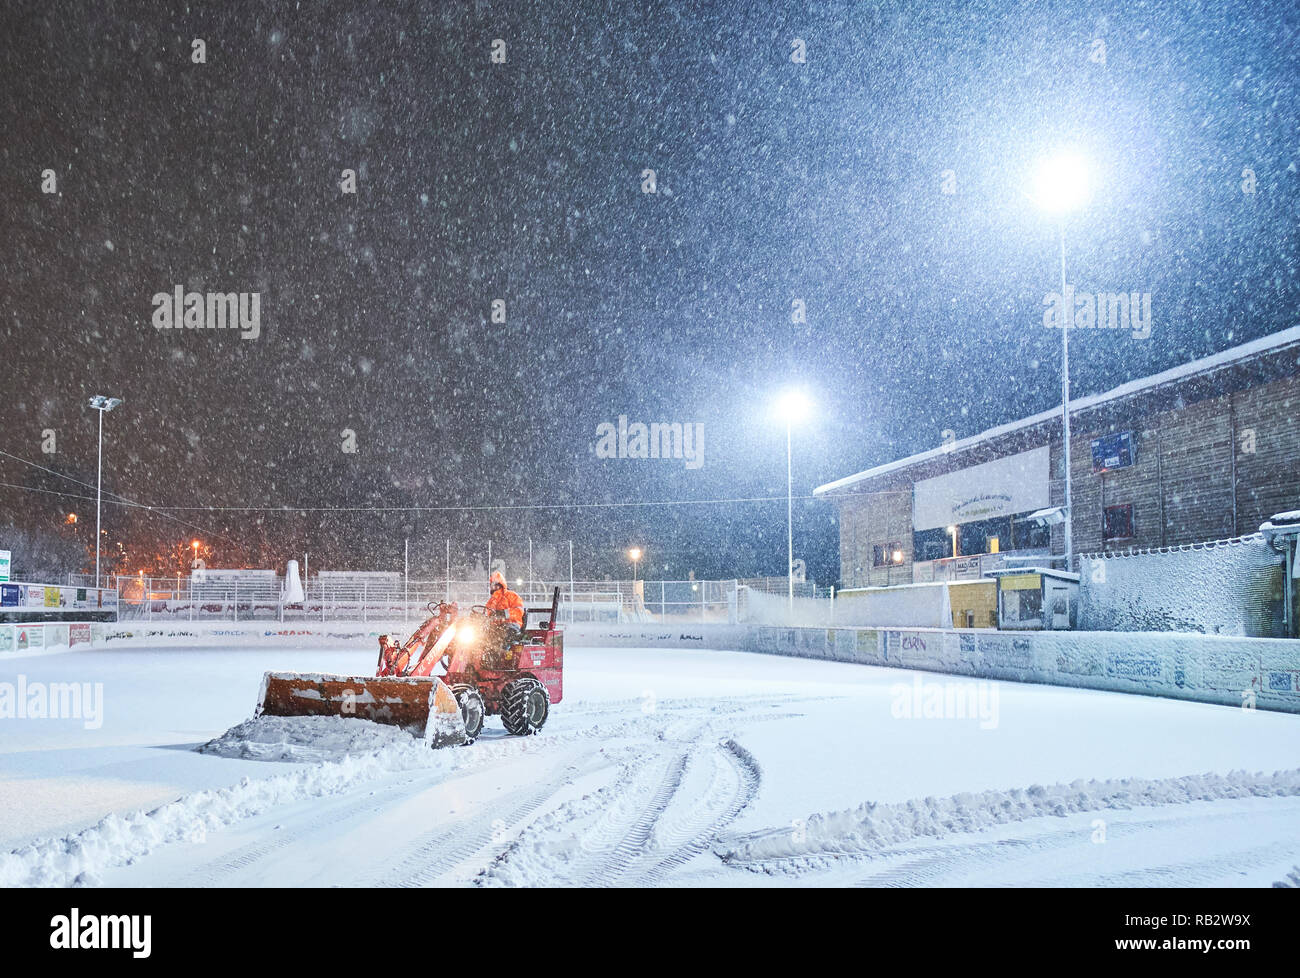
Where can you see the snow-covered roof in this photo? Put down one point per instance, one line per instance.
(1044, 571)
(1040, 514)
(1281, 525)
(1228, 357)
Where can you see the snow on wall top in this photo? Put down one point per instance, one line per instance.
(1265, 344)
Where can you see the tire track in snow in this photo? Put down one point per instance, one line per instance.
(331, 812)
(932, 865)
(1196, 873)
(442, 849)
(287, 833)
(637, 838)
(346, 803)
(940, 865)
(663, 810)
(367, 796)
(748, 777)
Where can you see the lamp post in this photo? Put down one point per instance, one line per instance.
(101, 404)
(793, 406)
(1061, 187)
(635, 555)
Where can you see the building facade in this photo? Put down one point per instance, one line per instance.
(1206, 451)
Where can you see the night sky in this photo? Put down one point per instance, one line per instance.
(476, 181)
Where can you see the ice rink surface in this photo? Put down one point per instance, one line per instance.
(660, 767)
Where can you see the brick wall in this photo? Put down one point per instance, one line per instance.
(868, 521)
(1181, 484)
(1191, 444)
(1267, 419)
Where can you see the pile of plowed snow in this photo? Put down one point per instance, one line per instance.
(868, 829)
(269, 738)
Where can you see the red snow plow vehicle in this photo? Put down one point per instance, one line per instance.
(488, 666)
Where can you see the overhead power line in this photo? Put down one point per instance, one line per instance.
(114, 498)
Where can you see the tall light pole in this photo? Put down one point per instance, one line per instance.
(1061, 187)
(635, 555)
(1065, 417)
(793, 406)
(101, 404)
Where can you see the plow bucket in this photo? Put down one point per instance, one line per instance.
(424, 706)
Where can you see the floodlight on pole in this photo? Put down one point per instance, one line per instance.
(791, 407)
(635, 555)
(1061, 186)
(101, 404)
(1061, 183)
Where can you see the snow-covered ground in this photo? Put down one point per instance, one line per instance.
(667, 767)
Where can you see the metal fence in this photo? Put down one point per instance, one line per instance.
(336, 597)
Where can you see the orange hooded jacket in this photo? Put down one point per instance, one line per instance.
(506, 600)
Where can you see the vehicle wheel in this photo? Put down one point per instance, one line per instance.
(525, 704)
(472, 710)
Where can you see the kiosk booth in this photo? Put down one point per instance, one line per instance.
(1038, 598)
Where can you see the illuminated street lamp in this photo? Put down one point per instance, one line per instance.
(1061, 183)
(1061, 186)
(792, 407)
(101, 404)
(635, 555)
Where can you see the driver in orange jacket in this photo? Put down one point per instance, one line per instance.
(505, 600)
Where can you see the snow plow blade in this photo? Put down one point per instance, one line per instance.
(424, 706)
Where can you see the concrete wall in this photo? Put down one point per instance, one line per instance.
(760, 607)
(907, 606)
(1231, 671)
(31, 638)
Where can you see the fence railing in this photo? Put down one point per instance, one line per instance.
(262, 598)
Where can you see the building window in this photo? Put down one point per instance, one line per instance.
(1117, 522)
(1030, 536)
(884, 554)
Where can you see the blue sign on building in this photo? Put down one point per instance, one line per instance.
(1113, 451)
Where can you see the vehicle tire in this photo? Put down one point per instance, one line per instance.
(525, 705)
(472, 710)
